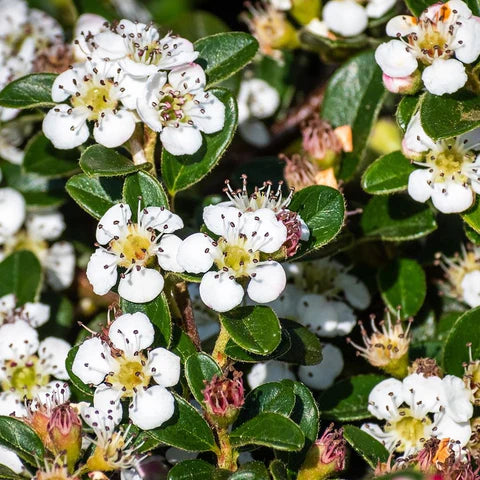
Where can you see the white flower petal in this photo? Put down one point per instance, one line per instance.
(264, 232)
(355, 291)
(418, 186)
(160, 219)
(318, 314)
(164, 366)
(47, 225)
(208, 115)
(378, 8)
(17, 340)
(346, 318)
(12, 404)
(131, 332)
(220, 292)
(444, 76)
(395, 60)
(141, 286)
(272, 371)
(187, 78)
(181, 140)
(66, 130)
(429, 390)
(60, 265)
(345, 17)
(259, 98)
(385, 397)
(285, 306)
(11, 460)
(268, 283)
(113, 222)
(107, 400)
(101, 422)
(12, 212)
(114, 129)
(168, 252)
(53, 352)
(152, 407)
(36, 314)
(195, 254)
(401, 24)
(181, 51)
(63, 85)
(457, 397)
(323, 375)
(102, 279)
(415, 139)
(110, 45)
(92, 361)
(219, 218)
(471, 288)
(452, 197)
(7, 303)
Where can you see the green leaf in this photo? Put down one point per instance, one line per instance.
(464, 331)
(445, 324)
(306, 415)
(223, 54)
(255, 329)
(21, 274)
(200, 368)
(405, 110)
(180, 172)
(417, 6)
(347, 400)
(159, 314)
(193, 25)
(370, 449)
(472, 216)
(323, 210)
(45, 160)
(271, 430)
(142, 184)
(186, 429)
(192, 470)
(181, 344)
(31, 91)
(106, 162)
(387, 174)
(474, 6)
(94, 195)
(396, 218)
(82, 391)
(22, 439)
(402, 284)
(449, 115)
(354, 96)
(305, 349)
(276, 397)
(251, 471)
(7, 474)
(278, 471)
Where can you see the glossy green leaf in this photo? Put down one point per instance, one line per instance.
(82, 391)
(347, 400)
(223, 54)
(21, 274)
(396, 218)
(445, 324)
(405, 110)
(402, 284)
(472, 216)
(22, 439)
(142, 184)
(449, 115)
(370, 449)
(106, 162)
(186, 429)
(94, 195)
(159, 314)
(251, 471)
(200, 368)
(45, 160)
(181, 344)
(180, 172)
(323, 210)
(191, 470)
(271, 430)
(464, 331)
(417, 6)
(7, 474)
(276, 397)
(278, 471)
(474, 6)
(387, 174)
(354, 96)
(305, 349)
(255, 329)
(31, 91)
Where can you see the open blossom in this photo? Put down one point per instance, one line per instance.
(34, 313)
(417, 409)
(448, 173)
(444, 30)
(176, 105)
(132, 247)
(12, 212)
(237, 256)
(121, 366)
(99, 92)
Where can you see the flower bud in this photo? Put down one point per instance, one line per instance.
(385, 137)
(223, 398)
(294, 231)
(404, 85)
(325, 457)
(65, 433)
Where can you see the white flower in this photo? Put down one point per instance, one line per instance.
(177, 106)
(98, 92)
(12, 137)
(59, 264)
(418, 408)
(236, 255)
(12, 212)
(27, 365)
(345, 17)
(87, 26)
(45, 225)
(132, 246)
(35, 314)
(442, 31)
(272, 371)
(14, 14)
(257, 99)
(449, 176)
(323, 375)
(140, 51)
(127, 371)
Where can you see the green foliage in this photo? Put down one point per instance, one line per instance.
(81, 390)
(30, 91)
(144, 185)
(192, 469)
(370, 449)
(199, 369)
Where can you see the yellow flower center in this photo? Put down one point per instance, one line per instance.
(96, 97)
(171, 105)
(130, 376)
(24, 378)
(236, 257)
(134, 247)
(409, 430)
(106, 456)
(21, 241)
